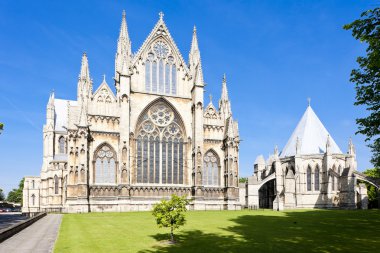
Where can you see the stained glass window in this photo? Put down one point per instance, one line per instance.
(308, 175)
(163, 137)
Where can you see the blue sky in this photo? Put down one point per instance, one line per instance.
(276, 54)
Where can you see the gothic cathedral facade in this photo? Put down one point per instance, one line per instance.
(153, 138)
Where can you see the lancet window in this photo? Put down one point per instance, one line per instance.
(56, 184)
(61, 145)
(316, 179)
(33, 199)
(210, 175)
(308, 178)
(160, 147)
(160, 70)
(105, 165)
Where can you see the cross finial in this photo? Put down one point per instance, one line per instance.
(161, 14)
(210, 96)
(104, 77)
(308, 101)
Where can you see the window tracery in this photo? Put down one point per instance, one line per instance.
(160, 147)
(105, 166)
(210, 175)
(104, 96)
(160, 70)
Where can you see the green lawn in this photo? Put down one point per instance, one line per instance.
(224, 231)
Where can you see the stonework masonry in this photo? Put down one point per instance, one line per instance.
(154, 137)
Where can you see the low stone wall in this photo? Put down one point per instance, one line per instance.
(12, 230)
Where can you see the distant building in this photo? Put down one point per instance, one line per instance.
(310, 172)
(153, 138)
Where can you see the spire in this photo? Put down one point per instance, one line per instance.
(328, 144)
(351, 147)
(124, 50)
(195, 60)
(275, 151)
(194, 42)
(84, 70)
(84, 82)
(51, 99)
(50, 109)
(224, 102)
(224, 88)
(83, 116)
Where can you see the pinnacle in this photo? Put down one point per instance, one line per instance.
(224, 88)
(84, 70)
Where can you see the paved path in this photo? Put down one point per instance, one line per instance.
(9, 219)
(38, 237)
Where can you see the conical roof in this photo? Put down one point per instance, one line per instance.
(312, 137)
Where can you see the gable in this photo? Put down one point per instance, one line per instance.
(104, 94)
(160, 35)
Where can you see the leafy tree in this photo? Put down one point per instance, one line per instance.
(371, 190)
(16, 194)
(171, 213)
(2, 197)
(243, 180)
(367, 78)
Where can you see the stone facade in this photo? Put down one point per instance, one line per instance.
(310, 172)
(153, 138)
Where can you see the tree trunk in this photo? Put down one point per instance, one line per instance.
(171, 235)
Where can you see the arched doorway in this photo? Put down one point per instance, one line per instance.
(267, 194)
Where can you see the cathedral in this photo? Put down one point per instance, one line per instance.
(153, 137)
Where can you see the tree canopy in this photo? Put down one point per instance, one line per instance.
(367, 78)
(15, 195)
(171, 213)
(2, 197)
(371, 190)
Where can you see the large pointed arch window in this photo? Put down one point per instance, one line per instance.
(210, 175)
(160, 147)
(105, 165)
(160, 70)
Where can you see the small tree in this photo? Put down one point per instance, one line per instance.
(171, 213)
(2, 196)
(15, 195)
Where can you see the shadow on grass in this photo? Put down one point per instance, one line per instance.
(307, 231)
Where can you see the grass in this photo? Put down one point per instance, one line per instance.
(224, 231)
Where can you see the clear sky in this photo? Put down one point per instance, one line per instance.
(275, 54)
